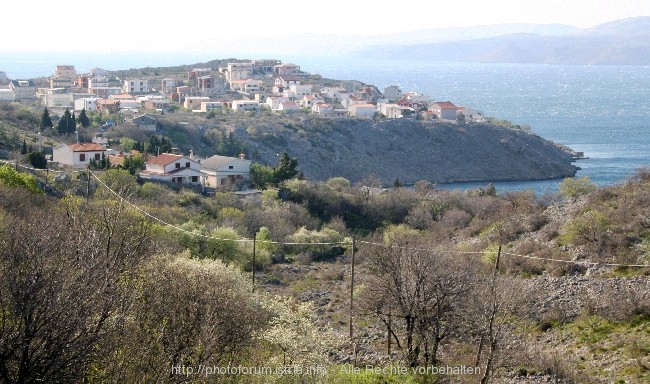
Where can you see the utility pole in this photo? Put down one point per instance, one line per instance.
(352, 344)
(253, 266)
(87, 183)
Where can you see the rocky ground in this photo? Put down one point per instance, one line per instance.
(562, 344)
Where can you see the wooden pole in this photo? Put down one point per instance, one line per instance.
(87, 183)
(352, 289)
(254, 248)
(390, 324)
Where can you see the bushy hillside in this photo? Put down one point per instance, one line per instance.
(522, 288)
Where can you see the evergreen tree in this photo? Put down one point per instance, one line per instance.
(83, 119)
(154, 146)
(72, 124)
(286, 168)
(165, 145)
(46, 120)
(64, 123)
(37, 160)
(23, 150)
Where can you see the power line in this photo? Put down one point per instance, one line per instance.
(350, 242)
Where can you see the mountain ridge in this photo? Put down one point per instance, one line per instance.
(621, 42)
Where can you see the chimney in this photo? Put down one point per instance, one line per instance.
(76, 132)
(242, 156)
(191, 154)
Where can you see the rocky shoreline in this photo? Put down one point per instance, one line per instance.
(409, 150)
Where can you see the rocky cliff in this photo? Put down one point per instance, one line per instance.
(408, 150)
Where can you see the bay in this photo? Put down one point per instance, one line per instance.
(603, 111)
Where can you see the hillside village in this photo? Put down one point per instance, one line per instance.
(230, 87)
(240, 86)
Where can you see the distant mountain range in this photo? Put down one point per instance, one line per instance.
(622, 42)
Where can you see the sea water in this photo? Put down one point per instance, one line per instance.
(603, 111)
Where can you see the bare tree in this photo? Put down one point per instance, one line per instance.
(422, 286)
(60, 287)
(492, 310)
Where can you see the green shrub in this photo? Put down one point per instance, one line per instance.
(572, 187)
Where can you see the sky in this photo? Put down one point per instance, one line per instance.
(121, 25)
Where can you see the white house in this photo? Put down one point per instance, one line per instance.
(297, 91)
(337, 93)
(23, 89)
(173, 169)
(330, 110)
(362, 110)
(392, 110)
(194, 102)
(99, 82)
(392, 92)
(274, 102)
(308, 101)
(289, 106)
(223, 172)
(135, 86)
(77, 155)
(246, 86)
(445, 110)
(87, 103)
(351, 100)
(471, 115)
(245, 105)
(207, 106)
(239, 71)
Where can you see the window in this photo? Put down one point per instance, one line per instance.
(230, 167)
(97, 156)
(187, 165)
(195, 179)
(82, 157)
(178, 165)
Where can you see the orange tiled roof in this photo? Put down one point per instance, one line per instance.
(85, 147)
(164, 159)
(445, 104)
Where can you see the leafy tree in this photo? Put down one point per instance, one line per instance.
(572, 187)
(287, 168)
(101, 164)
(83, 119)
(12, 178)
(37, 160)
(261, 175)
(338, 184)
(46, 120)
(133, 164)
(185, 310)
(120, 181)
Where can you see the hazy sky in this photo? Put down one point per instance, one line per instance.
(124, 25)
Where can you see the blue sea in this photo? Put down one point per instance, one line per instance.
(603, 111)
